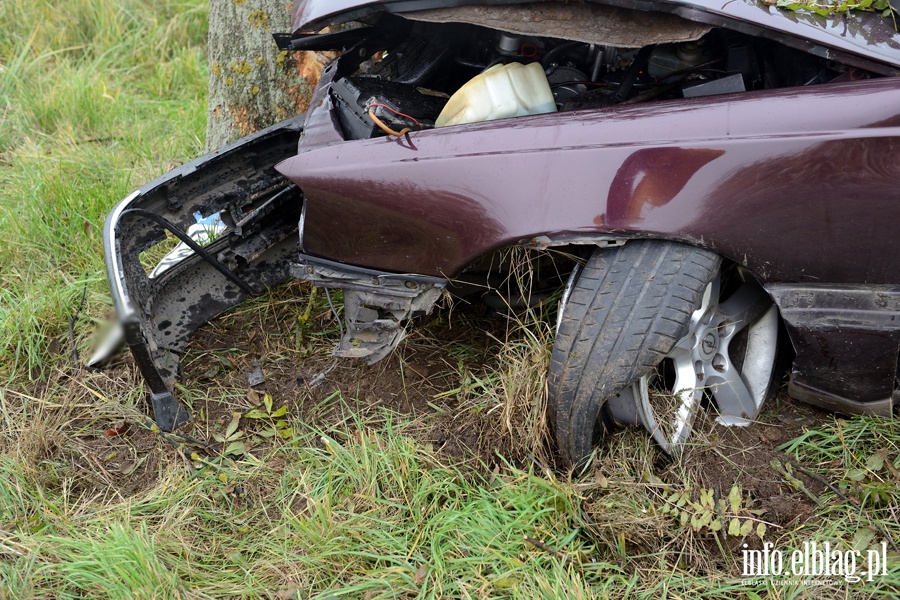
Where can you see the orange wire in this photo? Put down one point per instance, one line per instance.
(397, 112)
(385, 128)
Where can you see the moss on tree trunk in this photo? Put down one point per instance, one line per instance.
(252, 84)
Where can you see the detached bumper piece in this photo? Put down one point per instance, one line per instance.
(375, 304)
(260, 210)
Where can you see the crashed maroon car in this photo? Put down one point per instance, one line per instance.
(693, 178)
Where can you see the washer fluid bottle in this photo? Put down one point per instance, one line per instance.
(509, 90)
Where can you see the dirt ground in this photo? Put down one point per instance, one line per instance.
(745, 454)
(416, 384)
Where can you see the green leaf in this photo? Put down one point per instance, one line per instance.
(267, 400)
(235, 448)
(862, 538)
(734, 528)
(232, 427)
(280, 412)
(504, 583)
(746, 528)
(684, 518)
(856, 474)
(716, 525)
(761, 530)
(255, 414)
(875, 462)
(287, 433)
(734, 498)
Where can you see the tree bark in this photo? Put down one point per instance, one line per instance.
(252, 84)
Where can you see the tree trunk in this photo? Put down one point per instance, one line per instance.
(252, 84)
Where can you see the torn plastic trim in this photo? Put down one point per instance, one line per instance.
(376, 303)
(543, 242)
(260, 210)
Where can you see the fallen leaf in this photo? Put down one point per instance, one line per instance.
(116, 429)
(232, 427)
(421, 575)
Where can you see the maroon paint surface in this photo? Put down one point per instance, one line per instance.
(798, 184)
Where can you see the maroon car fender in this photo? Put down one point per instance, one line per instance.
(788, 183)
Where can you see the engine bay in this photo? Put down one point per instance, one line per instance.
(404, 74)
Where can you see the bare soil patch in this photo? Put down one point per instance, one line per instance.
(418, 384)
(724, 455)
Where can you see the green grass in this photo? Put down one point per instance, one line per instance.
(97, 97)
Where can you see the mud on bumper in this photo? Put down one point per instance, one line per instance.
(260, 210)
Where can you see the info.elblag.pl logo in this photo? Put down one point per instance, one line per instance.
(816, 560)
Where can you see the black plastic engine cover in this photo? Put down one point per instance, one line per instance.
(354, 96)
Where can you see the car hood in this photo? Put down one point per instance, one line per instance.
(866, 35)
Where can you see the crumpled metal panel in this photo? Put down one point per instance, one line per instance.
(588, 23)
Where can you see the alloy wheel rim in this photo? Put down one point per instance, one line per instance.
(706, 359)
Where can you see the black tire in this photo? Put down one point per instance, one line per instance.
(624, 314)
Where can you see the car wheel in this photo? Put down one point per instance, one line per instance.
(644, 331)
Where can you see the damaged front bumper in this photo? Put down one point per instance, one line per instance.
(260, 211)
(160, 309)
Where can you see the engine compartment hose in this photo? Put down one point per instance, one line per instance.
(638, 64)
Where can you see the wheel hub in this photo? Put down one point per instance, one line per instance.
(708, 344)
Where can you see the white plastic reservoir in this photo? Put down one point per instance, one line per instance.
(502, 91)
